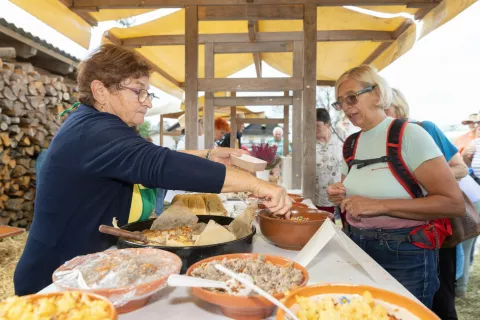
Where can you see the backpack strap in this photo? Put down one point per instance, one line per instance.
(349, 149)
(396, 164)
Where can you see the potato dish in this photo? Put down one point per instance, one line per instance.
(71, 305)
(358, 307)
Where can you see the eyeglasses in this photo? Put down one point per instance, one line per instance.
(351, 99)
(142, 94)
(473, 123)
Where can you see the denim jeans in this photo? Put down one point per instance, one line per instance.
(415, 268)
(160, 198)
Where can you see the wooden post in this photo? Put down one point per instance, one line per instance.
(286, 129)
(309, 100)
(233, 124)
(191, 77)
(161, 130)
(297, 128)
(209, 109)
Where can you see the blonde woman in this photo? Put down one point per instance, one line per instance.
(444, 299)
(384, 218)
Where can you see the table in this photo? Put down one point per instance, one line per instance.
(332, 265)
(7, 231)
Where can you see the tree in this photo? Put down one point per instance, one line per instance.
(144, 129)
(325, 98)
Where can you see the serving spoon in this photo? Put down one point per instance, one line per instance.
(255, 288)
(178, 280)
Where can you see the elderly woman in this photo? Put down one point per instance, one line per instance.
(96, 158)
(444, 299)
(387, 220)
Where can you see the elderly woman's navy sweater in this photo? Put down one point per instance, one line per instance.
(87, 179)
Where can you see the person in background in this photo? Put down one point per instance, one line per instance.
(201, 134)
(225, 143)
(464, 140)
(328, 160)
(221, 129)
(277, 140)
(444, 299)
(381, 213)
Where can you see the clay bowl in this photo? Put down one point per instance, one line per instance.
(289, 234)
(397, 305)
(295, 197)
(243, 308)
(143, 290)
(112, 313)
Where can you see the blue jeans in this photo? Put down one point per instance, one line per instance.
(415, 268)
(160, 198)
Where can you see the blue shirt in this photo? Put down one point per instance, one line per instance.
(87, 179)
(445, 146)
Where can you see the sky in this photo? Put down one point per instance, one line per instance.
(438, 76)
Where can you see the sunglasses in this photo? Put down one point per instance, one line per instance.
(473, 123)
(351, 99)
(142, 94)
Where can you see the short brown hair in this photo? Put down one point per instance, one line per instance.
(110, 64)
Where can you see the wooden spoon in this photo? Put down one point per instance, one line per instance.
(122, 233)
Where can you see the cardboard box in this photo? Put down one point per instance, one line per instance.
(249, 163)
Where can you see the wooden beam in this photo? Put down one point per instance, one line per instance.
(25, 51)
(259, 120)
(297, 127)
(326, 83)
(52, 65)
(8, 53)
(191, 78)
(245, 84)
(251, 12)
(322, 36)
(257, 60)
(252, 36)
(233, 123)
(309, 101)
(161, 130)
(285, 46)
(88, 18)
(286, 128)
(209, 110)
(252, 101)
(252, 30)
(157, 4)
(107, 34)
(14, 35)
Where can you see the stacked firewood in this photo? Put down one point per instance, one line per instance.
(30, 101)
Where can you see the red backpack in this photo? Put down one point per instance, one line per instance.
(428, 236)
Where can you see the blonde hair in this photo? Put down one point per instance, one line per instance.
(399, 104)
(368, 77)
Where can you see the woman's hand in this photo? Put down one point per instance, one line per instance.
(336, 193)
(360, 206)
(223, 155)
(275, 197)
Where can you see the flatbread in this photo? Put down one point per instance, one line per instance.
(213, 234)
(214, 205)
(241, 226)
(177, 215)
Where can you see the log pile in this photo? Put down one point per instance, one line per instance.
(30, 101)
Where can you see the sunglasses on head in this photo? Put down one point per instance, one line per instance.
(351, 99)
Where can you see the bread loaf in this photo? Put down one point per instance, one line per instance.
(201, 204)
(214, 205)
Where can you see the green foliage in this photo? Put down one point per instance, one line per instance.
(144, 129)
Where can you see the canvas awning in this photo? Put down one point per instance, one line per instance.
(345, 39)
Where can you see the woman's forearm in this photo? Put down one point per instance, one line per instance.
(198, 153)
(238, 181)
(431, 207)
(459, 170)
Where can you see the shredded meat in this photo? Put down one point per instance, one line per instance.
(266, 275)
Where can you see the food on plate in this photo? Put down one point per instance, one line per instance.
(296, 218)
(268, 276)
(115, 269)
(358, 307)
(70, 305)
(179, 227)
(201, 204)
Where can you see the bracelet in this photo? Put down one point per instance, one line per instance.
(208, 154)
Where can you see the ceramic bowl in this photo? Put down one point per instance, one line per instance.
(243, 308)
(290, 234)
(396, 305)
(117, 295)
(295, 197)
(295, 205)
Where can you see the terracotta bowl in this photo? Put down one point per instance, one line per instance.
(399, 302)
(288, 234)
(296, 197)
(243, 308)
(142, 290)
(112, 313)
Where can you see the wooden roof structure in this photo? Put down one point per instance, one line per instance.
(198, 47)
